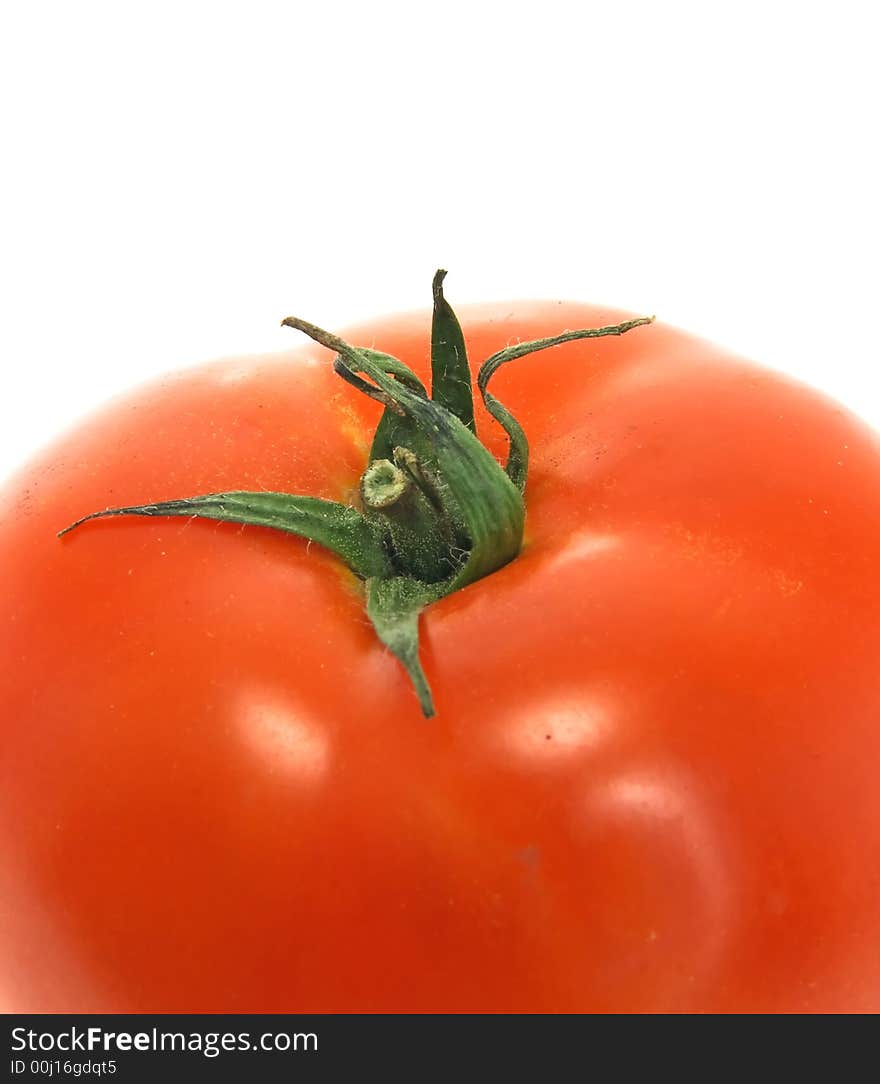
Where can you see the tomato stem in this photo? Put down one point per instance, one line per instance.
(438, 511)
(407, 502)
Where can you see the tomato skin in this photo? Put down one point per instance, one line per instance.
(651, 781)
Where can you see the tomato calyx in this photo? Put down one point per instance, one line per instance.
(438, 511)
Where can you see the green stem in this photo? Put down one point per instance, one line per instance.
(419, 532)
(438, 511)
(383, 484)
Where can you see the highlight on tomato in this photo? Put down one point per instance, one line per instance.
(330, 685)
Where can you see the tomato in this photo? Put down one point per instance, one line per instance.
(651, 781)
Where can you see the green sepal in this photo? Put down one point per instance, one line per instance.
(450, 372)
(517, 466)
(394, 428)
(349, 534)
(393, 606)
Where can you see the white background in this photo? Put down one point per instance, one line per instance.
(178, 176)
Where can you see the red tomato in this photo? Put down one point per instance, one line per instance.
(651, 783)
